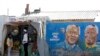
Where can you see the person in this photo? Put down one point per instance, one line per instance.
(25, 42)
(72, 36)
(91, 33)
(70, 47)
(15, 35)
(9, 44)
(15, 32)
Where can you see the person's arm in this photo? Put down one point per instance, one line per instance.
(7, 41)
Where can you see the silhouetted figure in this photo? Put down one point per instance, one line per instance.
(25, 42)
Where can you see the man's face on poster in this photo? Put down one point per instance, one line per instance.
(90, 36)
(72, 34)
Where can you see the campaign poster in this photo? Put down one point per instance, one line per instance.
(73, 38)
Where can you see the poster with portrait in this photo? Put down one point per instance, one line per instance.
(73, 38)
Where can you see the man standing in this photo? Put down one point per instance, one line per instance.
(25, 42)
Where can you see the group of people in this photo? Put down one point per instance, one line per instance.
(70, 46)
(10, 41)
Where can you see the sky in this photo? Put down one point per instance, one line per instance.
(17, 7)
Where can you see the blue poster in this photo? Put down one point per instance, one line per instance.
(73, 38)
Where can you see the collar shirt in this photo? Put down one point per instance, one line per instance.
(25, 38)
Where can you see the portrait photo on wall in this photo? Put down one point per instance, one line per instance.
(73, 38)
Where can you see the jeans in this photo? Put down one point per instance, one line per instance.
(26, 49)
(9, 51)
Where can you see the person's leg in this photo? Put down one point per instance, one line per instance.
(26, 49)
(9, 51)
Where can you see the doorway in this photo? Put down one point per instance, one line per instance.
(16, 29)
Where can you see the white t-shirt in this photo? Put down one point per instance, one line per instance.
(25, 38)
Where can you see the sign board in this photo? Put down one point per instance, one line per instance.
(73, 38)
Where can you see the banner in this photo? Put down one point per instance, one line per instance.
(73, 38)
